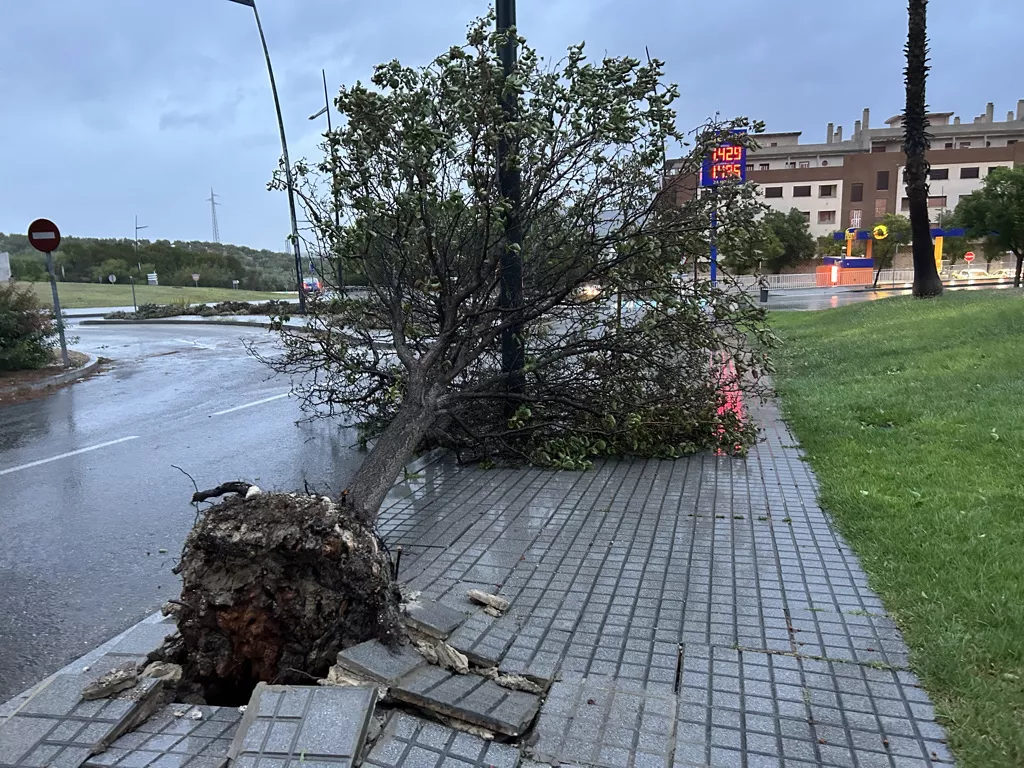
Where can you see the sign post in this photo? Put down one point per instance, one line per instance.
(726, 164)
(195, 278)
(44, 236)
(969, 257)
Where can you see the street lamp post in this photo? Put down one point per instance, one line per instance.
(138, 262)
(510, 182)
(284, 153)
(334, 187)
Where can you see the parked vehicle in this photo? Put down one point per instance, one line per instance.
(311, 285)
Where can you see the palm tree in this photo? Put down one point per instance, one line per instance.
(915, 144)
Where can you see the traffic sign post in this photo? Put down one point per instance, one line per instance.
(44, 236)
(969, 257)
(195, 278)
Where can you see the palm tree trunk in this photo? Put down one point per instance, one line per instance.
(915, 145)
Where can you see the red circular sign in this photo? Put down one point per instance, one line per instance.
(969, 257)
(43, 235)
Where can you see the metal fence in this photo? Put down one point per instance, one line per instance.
(888, 278)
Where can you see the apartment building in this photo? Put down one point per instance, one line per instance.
(853, 182)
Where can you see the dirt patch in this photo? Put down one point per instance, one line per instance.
(16, 386)
(273, 586)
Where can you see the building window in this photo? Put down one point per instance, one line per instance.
(750, 167)
(938, 174)
(827, 190)
(855, 217)
(994, 167)
(774, 144)
(878, 147)
(762, 167)
(824, 163)
(965, 145)
(970, 173)
(949, 145)
(881, 206)
(773, 191)
(856, 192)
(882, 180)
(804, 191)
(938, 201)
(826, 217)
(791, 165)
(807, 216)
(1010, 142)
(805, 163)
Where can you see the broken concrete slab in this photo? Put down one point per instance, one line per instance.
(409, 740)
(174, 736)
(434, 619)
(381, 664)
(318, 725)
(118, 679)
(498, 604)
(471, 698)
(483, 639)
(56, 728)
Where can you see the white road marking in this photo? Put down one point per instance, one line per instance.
(66, 455)
(250, 405)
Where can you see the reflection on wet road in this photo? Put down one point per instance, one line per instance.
(92, 509)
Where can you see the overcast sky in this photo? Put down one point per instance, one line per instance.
(118, 108)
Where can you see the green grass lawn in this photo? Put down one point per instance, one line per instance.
(912, 414)
(78, 295)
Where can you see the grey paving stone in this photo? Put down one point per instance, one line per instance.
(377, 662)
(54, 728)
(143, 639)
(434, 619)
(407, 738)
(171, 737)
(312, 725)
(472, 698)
(597, 721)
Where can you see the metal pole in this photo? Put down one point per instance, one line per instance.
(337, 202)
(135, 306)
(287, 165)
(714, 231)
(511, 299)
(57, 312)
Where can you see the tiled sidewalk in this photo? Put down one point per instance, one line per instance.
(697, 612)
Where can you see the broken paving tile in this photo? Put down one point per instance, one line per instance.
(483, 639)
(55, 728)
(615, 719)
(434, 619)
(471, 698)
(407, 739)
(313, 724)
(379, 663)
(175, 732)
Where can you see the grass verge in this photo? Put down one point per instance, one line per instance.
(912, 415)
(79, 295)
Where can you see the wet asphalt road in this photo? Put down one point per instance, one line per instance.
(80, 536)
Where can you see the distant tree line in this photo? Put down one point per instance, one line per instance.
(91, 260)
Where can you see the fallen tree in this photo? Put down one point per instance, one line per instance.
(620, 356)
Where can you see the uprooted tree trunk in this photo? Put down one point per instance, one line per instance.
(273, 586)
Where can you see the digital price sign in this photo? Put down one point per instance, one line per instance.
(726, 164)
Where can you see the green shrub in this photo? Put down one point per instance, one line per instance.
(27, 331)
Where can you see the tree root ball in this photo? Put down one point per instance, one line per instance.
(273, 587)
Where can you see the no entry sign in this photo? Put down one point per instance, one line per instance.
(969, 257)
(44, 235)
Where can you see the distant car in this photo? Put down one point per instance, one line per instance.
(971, 274)
(311, 285)
(1003, 273)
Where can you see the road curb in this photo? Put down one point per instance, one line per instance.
(63, 378)
(176, 321)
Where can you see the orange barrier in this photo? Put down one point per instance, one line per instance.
(828, 276)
